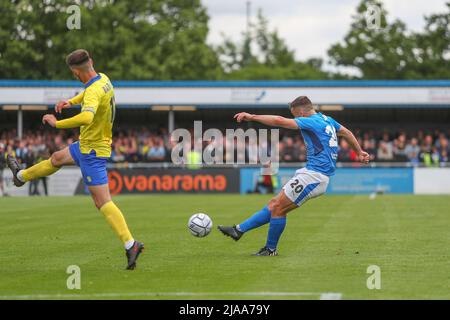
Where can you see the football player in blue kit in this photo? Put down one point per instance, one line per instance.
(320, 133)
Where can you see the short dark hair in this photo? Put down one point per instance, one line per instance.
(77, 58)
(302, 101)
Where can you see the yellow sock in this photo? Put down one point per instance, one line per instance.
(116, 220)
(39, 170)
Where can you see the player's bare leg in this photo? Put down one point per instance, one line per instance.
(279, 207)
(42, 169)
(102, 199)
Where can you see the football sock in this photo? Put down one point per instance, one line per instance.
(276, 228)
(39, 170)
(19, 176)
(258, 219)
(129, 244)
(117, 222)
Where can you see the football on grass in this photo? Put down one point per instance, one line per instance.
(200, 225)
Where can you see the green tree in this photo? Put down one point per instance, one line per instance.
(263, 54)
(140, 39)
(390, 51)
(433, 47)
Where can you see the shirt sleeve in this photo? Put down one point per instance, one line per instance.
(77, 99)
(81, 119)
(335, 124)
(91, 101)
(304, 123)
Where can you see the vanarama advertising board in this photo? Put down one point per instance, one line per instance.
(127, 181)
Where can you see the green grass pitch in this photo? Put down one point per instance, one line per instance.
(327, 247)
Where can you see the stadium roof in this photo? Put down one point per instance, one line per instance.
(232, 94)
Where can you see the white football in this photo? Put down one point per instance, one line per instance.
(200, 225)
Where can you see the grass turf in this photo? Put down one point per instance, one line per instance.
(326, 247)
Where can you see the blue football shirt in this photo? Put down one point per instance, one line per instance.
(319, 134)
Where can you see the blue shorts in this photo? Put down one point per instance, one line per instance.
(93, 168)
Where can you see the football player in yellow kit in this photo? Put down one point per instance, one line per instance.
(92, 150)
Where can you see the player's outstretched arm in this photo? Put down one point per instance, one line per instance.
(64, 104)
(354, 144)
(269, 120)
(82, 119)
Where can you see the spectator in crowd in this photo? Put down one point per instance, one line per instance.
(344, 153)
(400, 148)
(193, 159)
(443, 148)
(412, 151)
(427, 144)
(290, 151)
(441, 139)
(117, 155)
(444, 151)
(429, 152)
(385, 149)
(145, 145)
(369, 146)
(157, 152)
(430, 158)
(131, 147)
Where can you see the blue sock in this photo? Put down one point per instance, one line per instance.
(257, 220)
(276, 228)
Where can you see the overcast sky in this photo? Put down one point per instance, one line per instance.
(309, 26)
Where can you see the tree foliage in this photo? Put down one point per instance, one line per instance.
(140, 39)
(263, 54)
(166, 40)
(391, 51)
(433, 47)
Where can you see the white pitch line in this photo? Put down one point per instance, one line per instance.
(331, 296)
(323, 296)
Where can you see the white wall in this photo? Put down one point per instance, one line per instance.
(432, 181)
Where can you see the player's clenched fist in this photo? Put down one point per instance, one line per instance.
(243, 116)
(364, 157)
(50, 119)
(62, 105)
